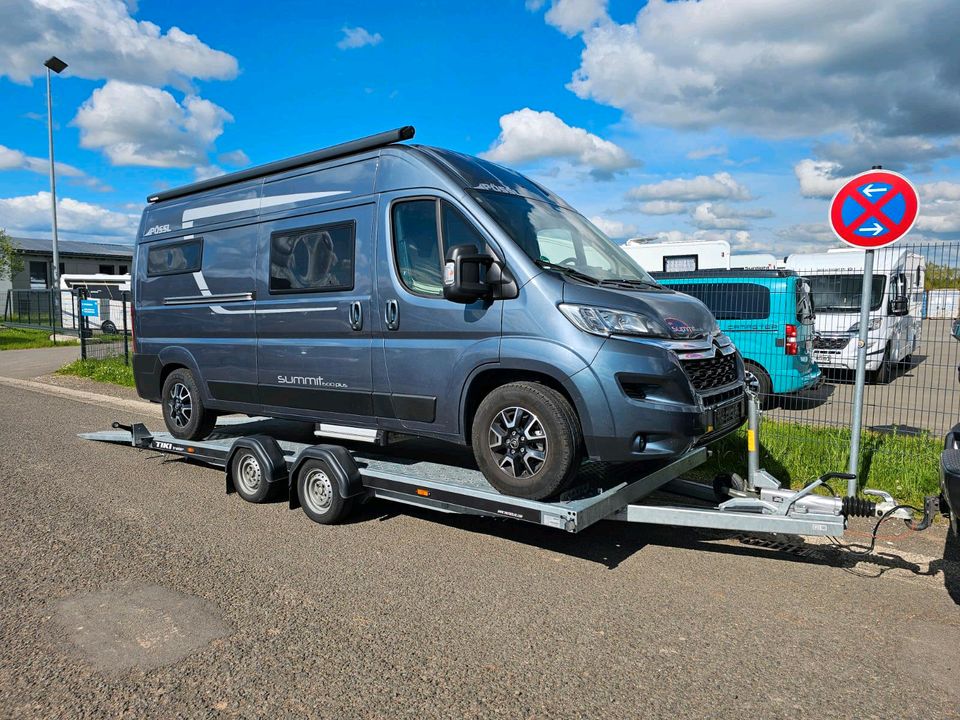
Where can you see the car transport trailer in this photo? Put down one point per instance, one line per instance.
(325, 480)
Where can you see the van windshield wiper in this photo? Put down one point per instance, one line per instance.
(569, 272)
(628, 283)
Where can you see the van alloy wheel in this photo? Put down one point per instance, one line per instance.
(518, 442)
(181, 405)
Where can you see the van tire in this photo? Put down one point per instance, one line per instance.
(319, 493)
(188, 419)
(883, 375)
(543, 410)
(767, 399)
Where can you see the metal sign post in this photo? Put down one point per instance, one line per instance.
(871, 210)
(856, 425)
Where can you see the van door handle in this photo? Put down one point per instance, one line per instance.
(356, 315)
(391, 314)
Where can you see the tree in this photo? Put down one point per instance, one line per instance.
(11, 261)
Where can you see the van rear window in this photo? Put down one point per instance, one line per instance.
(730, 301)
(174, 258)
(314, 259)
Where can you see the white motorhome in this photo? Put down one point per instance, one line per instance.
(679, 256)
(754, 261)
(108, 290)
(896, 304)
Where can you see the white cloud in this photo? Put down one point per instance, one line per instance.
(527, 135)
(819, 178)
(805, 237)
(939, 207)
(31, 214)
(864, 150)
(740, 239)
(662, 207)
(781, 69)
(11, 159)
(707, 152)
(236, 158)
(572, 17)
(720, 186)
(714, 216)
(614, 228)
(534, 5)
(205, 172)
(99, 39)
(140, 125)
(358, 37)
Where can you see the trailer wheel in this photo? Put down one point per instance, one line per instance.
(319, 493)
(108, 328)
(527, 440)
(248, 477)
(183, 412)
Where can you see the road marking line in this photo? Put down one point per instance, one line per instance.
(90, 398)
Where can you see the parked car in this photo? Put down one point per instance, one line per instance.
(112, 293)
(769, 316)
(896, 305)
(377, 288)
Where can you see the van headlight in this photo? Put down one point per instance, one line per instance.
(873, 325)
(606, 322)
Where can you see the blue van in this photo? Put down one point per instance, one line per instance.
(769, 316)
(375, 288)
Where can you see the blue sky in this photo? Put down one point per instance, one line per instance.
(732, 119)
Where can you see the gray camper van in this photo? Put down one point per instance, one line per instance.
(376, 288)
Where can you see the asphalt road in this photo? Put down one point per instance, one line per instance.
(132, 586)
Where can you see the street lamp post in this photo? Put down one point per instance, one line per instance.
(58, 66)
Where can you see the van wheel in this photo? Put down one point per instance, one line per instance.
(183, 412)
(883, 374)
(527, 440)
(319, 493)
(767, 399)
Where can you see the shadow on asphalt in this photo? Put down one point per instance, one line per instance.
(951, 566)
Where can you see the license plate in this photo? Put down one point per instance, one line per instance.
(726, 415)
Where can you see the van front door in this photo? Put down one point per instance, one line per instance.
(430, 345)
(314, 316)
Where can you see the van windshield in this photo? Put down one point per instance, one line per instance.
(552, 235)
(841, 293)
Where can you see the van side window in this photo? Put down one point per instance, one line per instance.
(315, 259)
(420, 249)
(730, 301)
(174, 258)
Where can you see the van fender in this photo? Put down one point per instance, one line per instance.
(342, 466)
(594, 414)
(178, 355)
(268, 453)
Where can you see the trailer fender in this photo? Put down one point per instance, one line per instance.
(342, 466)
(268, 452)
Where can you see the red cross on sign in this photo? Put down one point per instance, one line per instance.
(874, 209)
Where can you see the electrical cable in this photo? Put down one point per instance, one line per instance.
(885, 516)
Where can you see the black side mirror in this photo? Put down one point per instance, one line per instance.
(899, 307)
(465, 274)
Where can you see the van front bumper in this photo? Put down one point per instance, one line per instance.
(656, 413)
(845, 357)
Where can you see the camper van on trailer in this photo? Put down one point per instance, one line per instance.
(376, 288)
(896, 304)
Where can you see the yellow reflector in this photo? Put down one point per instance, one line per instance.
(751, 441)
(190, 450)
(422, 492)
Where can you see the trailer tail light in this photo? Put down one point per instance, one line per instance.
(790, 346)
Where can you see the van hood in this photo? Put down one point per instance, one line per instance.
(685, 317)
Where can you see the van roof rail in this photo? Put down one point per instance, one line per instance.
(334, 151)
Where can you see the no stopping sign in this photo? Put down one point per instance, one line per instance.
(874, 209)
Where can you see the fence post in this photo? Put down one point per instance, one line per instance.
(82, 324)
(126, 340)
(53, 320)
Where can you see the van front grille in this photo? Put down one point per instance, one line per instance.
(710, 373)
(829, 343)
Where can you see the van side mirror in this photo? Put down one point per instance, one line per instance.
(465, 274)
(899, 307)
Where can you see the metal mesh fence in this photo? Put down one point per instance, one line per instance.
(107, 334)
(797, 330)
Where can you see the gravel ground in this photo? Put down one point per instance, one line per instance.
(132, 586)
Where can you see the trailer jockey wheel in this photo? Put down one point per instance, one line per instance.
(248, 477)
(723, 483)
(319, 493)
